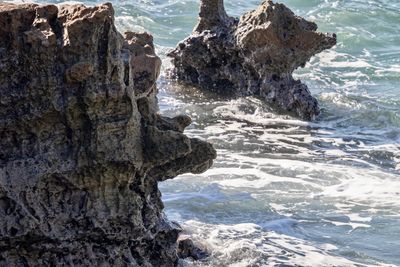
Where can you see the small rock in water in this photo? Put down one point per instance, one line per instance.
(253, 55)
(187, 249)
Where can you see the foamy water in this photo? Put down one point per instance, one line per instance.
(285, 192)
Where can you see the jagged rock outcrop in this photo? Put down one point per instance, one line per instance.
(81, 144)
(253, 55)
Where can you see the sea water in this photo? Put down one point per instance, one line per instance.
(285, 192)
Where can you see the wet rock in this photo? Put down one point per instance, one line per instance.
(82, 146)
(187, 249)
(253, 55)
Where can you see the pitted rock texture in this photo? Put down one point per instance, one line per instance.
(253, 55)
(82, 146)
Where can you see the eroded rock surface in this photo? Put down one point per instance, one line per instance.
(253, 55)
(82, 147)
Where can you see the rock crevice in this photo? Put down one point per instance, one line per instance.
(253, 55)
(82, 146)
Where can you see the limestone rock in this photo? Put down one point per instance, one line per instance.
(82, 146)
(253, 55)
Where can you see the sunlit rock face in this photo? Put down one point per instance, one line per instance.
(253, 55)
(82, 146)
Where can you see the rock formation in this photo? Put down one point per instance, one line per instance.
(82, 146)
(253, 55)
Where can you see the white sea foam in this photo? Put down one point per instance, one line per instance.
(250, 245)
(296, 168)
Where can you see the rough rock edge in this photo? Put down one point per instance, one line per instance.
(82, 146)
(253, 55)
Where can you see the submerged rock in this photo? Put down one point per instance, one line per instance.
(187, 249)
(253, 55)
(82, 146)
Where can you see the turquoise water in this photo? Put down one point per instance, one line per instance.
(284, 192)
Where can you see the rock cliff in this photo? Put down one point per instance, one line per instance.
(253, 55)
(82, 146)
